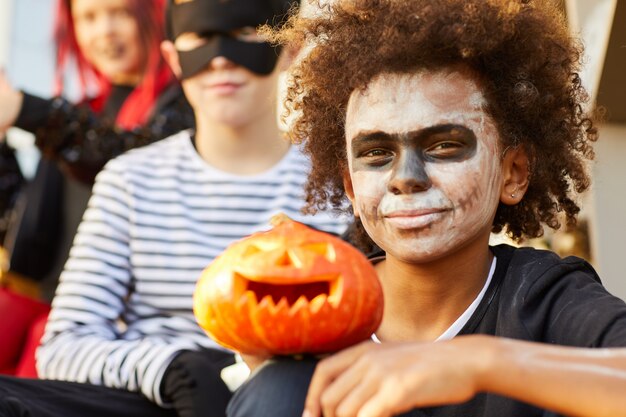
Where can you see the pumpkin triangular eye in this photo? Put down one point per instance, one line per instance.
(260, 246)
(250, 251)
(322, 248)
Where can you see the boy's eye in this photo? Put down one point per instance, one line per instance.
(449, 143)
(445, 147)
(189, 41)
(375, 152)
(376, 156)
(247, 34)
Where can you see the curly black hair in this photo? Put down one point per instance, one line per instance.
(522, 51)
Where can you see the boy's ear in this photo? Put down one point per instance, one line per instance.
(347, 186)
(288, 56)
(515, 175)
(170, 54)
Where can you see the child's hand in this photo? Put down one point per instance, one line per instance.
(379, 380)
(253, 361)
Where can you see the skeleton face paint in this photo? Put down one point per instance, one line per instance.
(423, 161)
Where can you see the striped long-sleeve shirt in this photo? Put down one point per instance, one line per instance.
(157, 217)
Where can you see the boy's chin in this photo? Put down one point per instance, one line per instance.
(417, 255)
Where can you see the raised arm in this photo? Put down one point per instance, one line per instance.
(76, 136)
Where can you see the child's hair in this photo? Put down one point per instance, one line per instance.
(156, 76)
(522, 52)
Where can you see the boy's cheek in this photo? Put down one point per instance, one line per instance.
(368, 185)
(368, 210)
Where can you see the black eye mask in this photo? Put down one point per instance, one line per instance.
(219, 18)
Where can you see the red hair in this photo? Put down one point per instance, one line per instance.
(157, 75)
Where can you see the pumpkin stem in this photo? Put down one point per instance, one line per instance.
(278, 219)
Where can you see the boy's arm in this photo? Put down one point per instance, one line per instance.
(372, 380)
(83, 341)
(572, 381)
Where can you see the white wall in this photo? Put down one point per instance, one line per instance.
(608, 199)
(31, 53)
(6, 12)
(27, 52)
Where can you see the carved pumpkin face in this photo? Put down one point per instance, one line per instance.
(289, 290)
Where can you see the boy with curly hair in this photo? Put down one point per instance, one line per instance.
(443, 122)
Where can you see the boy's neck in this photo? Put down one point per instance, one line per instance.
(422, 301)
(243, 150)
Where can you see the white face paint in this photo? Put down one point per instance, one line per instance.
(424, 165)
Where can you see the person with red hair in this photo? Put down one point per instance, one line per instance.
(129, 98)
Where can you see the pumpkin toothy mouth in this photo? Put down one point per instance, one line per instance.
(273, 293)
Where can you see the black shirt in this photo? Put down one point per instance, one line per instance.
(536, 296)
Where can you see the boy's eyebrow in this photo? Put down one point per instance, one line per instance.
(372, 136)
(364, 137)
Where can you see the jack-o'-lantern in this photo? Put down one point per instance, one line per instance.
(289, 290)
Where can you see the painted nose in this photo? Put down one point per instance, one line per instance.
(408, 175)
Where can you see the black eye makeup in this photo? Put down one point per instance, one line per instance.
(449, 142)
(441, 143)
(374, 148)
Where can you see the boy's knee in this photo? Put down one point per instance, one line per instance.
(278, 389)
(12, 407)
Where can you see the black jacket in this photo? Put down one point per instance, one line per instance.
(537, 296)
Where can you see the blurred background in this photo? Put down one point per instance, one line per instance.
(27, 55)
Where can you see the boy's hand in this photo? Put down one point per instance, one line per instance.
(380, 380)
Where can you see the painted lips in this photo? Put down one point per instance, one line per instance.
(414, 219)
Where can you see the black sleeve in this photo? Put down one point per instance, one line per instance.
(569, 306)
(192, 383)
(74, 135)
(34, 113)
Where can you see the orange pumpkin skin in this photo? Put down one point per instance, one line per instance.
(289, 290)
